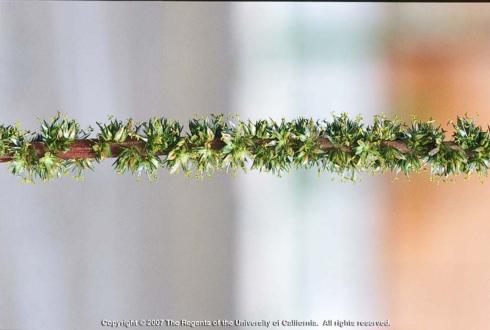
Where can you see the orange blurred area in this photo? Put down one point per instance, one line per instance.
(438, 235)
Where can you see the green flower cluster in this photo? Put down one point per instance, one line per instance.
(54, 136)
(342, 145)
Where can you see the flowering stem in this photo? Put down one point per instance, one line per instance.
(343, 146)
(83, 149)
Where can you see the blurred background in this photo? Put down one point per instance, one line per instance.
(253, 246)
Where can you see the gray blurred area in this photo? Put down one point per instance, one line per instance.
(112, 247)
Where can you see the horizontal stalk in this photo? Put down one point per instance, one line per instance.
(83, 149)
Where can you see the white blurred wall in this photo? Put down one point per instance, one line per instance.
(309, 247)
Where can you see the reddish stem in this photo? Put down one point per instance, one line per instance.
(83, 149)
